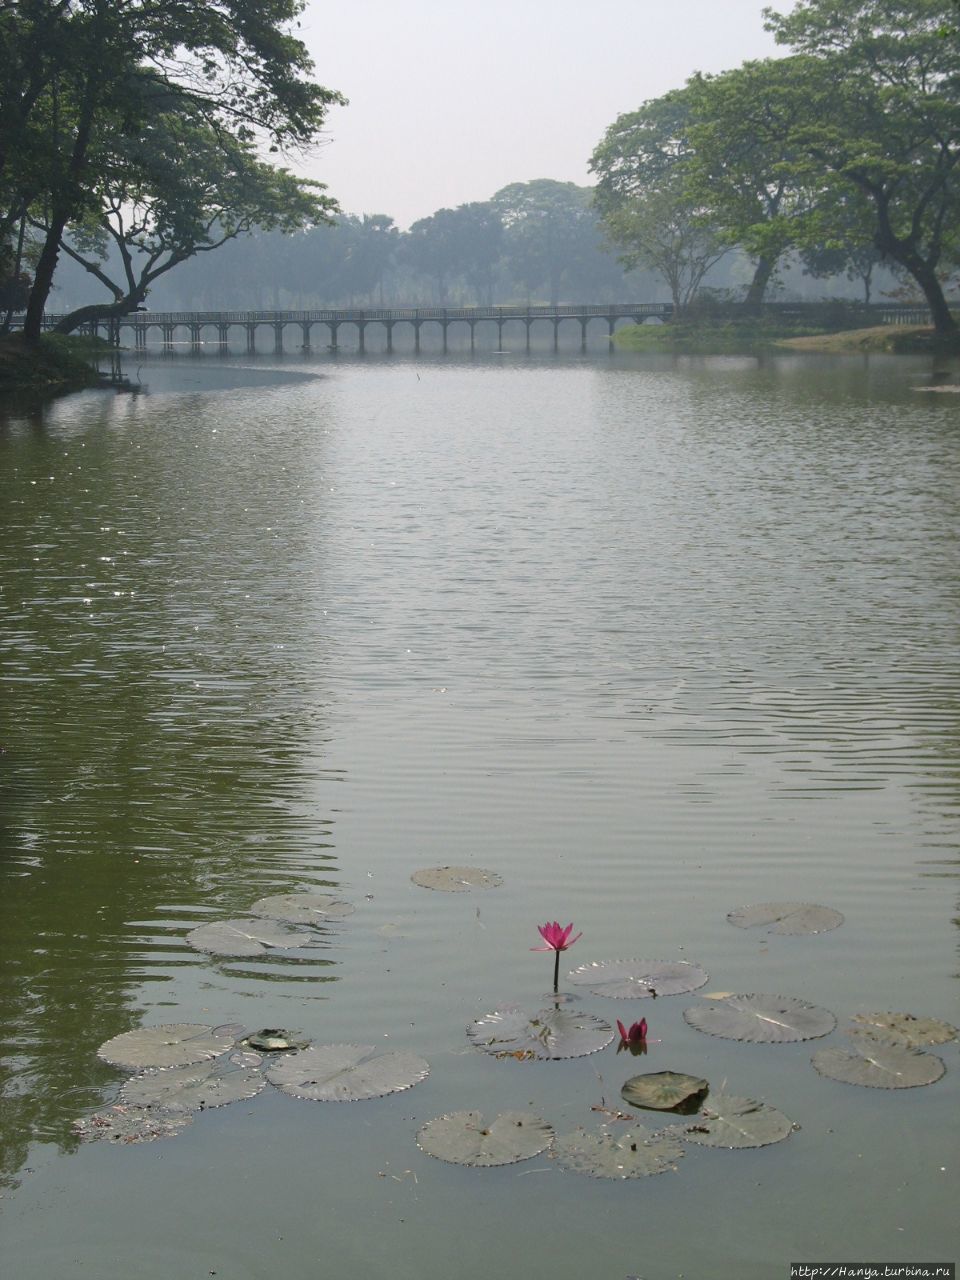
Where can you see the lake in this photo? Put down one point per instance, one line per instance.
(652, 639)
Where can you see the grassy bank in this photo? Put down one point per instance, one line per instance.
(745, 337)
(55, 364)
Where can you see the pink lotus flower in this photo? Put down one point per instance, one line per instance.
(555, 937)
(636, 1034)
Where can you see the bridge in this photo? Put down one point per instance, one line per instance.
(138, 324)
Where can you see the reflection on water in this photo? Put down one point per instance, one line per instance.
(652, 638)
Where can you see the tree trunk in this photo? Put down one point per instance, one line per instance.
(944, 324)
(96, 311)
(758, 285)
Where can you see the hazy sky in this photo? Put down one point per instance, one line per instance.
(452, 99)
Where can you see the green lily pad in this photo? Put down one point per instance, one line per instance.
(665, 1091)
(173, 1044)
(347, 1072)
(761, 1019)
(129, 1124)
(630, 1153)
(637, 979)
(551, 1033)
(787, 917)
(463, 1138)
(194, 1088)
(906, 1029)
(302, 908)
(245, 937)
(879, 1066)
(456, 879)
(737, 1122)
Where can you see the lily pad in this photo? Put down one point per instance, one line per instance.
(906, 1029)
(456, 879)
(637, 979)
(879, 1066)
(551, 1033)
(737, 1122)
(245, 937)
(463, 1138)
(196, 1088)
(761, 1019)
(666, 1091)
(787, 917)
(174, 1044)
(347, 1072)
(630, 1153)
(128, 1124)
(302, 908)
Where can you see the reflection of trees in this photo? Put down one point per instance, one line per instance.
(154, 732)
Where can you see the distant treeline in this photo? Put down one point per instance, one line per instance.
(539, 241)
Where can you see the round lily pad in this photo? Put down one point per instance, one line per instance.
(195, 1088)
(665, 1091)
(245, 937)
(906, 1029)
(761, 1019)
(302, 908)
(347, 1072)
(737, 1122)
(174, 1044)
(128, 1124)
(879, 1066)
(787, 917)
(463, 1138)
(551, 1033)
(637, 979)
(456, 879)
(630, 1153)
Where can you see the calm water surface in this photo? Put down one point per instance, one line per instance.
(652, 639)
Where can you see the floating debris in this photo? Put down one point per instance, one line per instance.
(906, 1029)
(128, 1124)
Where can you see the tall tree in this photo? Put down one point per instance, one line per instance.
(885, 87)
(80, 78)
(548, 227)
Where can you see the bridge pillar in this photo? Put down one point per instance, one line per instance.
(499, 333)
(473, 325)
(223, 331)
(305, 333)
(583, 334)
(388, 324)
(167, 337)
(278, 336)
(416, 336)
(528, 323)
(251, 338)
(556, 335)
(195, 337)
(361, 328)
(443, 325)
(140, 337)
(332, 345)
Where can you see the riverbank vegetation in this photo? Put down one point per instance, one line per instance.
(52, 363)
(752, 335)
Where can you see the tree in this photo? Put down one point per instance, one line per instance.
(549, 227)
(885, 88)
(84, 71)
(180, 189)
(644, 196)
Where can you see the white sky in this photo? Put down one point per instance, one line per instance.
(451, 100)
